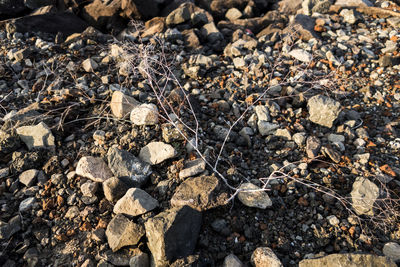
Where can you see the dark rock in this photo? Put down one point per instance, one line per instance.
(114, 188)
(103, 16)
(11, 8)
(304, 26)
(22, 161)
(33, 4)
(10, 228)
(9, 142)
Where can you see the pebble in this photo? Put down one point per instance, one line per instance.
(145, 114)
(256, 199)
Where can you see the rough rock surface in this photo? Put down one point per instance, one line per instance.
(156, 152)
(254, 196)
(264, 256)
(323, 110)
(93, 168)
(38, 136)
(348, 260)
(135, 202)
(364, 195)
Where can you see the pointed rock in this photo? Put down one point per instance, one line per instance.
(135, 202)
(156, 152)
(38, 136)
(264, 256)
(121, 105)
(93, 168)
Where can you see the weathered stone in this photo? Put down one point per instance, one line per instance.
(135, 202)
(264, 256)
(156, 152)
(28, 177)
(353, 3)
(10, 228)
(27, 204)
(392, 250)
(262, 113)
(253, 196)
(192, 168)
(38, 136)
(304, 26)
(128, 168)
(121, 105)
(200, 193)
(289, 7)
(233, 14)
(114, 188)
(349, 15)
(313, 146)
(140, 260)
(154, 26)
(123, 232)
(172, 234)
(89, 65)
(266, 128)
(363, 196)
(89, 188)
(348, 259)
(145, 114)
(323, 110)
(301, 55)
(93, 168)
(72, 212)
(232, 261)
(179, 15)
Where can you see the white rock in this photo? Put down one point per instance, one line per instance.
(135, 202)
(262, 113)
(89, 188)
(263, 257)
(93, 168)
(38, 136)
(121, 105)
(333, 220)
(301, 55)
(336, 138)
(233, 14)
(145, 114)
(363, 196)
(256, 199)
(27, 204)
(353, 3)
(156, 152)
(89, 65)
(232, 261)
(266, 128)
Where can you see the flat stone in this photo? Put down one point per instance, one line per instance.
(89, 188)
(232, 261)
(72, 212)
(123, 232)
(255, 199)
(353, 3)
(173, 234)
(93, 168)
(262, 113)
(392, 250)
(323, 110)
(122, 105)
(264, 256)
(364, 195)
(140, 260)
(145, 114)
(348, 259)
(135, 202)
(233, 14)
(198, 192)
(128, 168)
(192, 168)
(27, 204)
(301, 55)
(156, 152)
(38, 136)
(28, 177)
(114, 188)
(89, 65)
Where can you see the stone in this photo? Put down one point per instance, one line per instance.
(140, 260)
(154, 26)
(192, 168)
(253, 196)
(114, 188)
(211, 32)
(349, 15)
(301, 55)
(232, 261)
(135, 202)
(173, 234)
(72, 212)
(33, 4)
(89, 65)
(283, 133)
(93, 168)
(28, 177)
(233, 14)
(179, 15)
(123, 232)
(323, 110)
(239, 62)
(299, 138)
(145, 114)
(333, 220)
(27, 204)
(313, 147)
(128, 168)
(199, 193)
(353, 3)
(89, 188)
(170, 133)
(38, 136)
(4, 172)
(262, 113)
(289, 7)
(392, 250)
(348, 259)
(122, 105)
(266, 128)
(156, 152)
(304, 26)
(10, 228)
(363, 196)
(264, 256)
(140, 10)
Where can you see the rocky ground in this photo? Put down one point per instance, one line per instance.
(219, 133)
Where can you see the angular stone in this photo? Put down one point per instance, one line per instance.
(114, 188)
(156, 152)
(266, 128)
(28, 177)
(264, 256)
(256, 198)
(171, 134)
(179, 15)
(135, 202)
(301, 55)
(348, 259)
(93, 168)
(38, 136)
(173, 234)
(128, 168)
(262, 113)
(363, 196)
(192, 168)
(89, 188)
(145, 114)
(232, 261)
(121, 105)
(198, 192)
(140, 260)
(10, 228)
(353, 3)
(72, 212)
(392, 250)
(123, 232)
(313, 146)
(323, 110)
(233, 14)
(303, 25)
(89, 65)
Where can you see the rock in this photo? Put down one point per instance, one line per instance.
(199, 193)
(333, 220)
(38, 136)
(89, 188)
(289, 7)
(392, 250)
(128, 168)
(284, 134)
(323, 110)
(264, 256)
(121, 105)
(173, 234)
(262, 113)
(353, 3)
(156, 152)
(10, 228)
(233, 14)
(33, 4)
(141, 260)
(192, 168)
(348, 259)
(179, 15)
(27, 204)
(11, 8)
(89, 65)
(211, 32)
(28, 177)
(102, 15)
(219, 7)
(145, 114)
(9, 142)
(232, 261)
(72, 212)
(114, 188)
(301, 55)
(25, 161)
(313, 147)
(256, 198)
(123, 232)
(304, 26)
(93, 168)
(154, 26)
(364, 195)
(135, 202)
(315, 6)
(4, 172)
(349, 15)
(266, 128)
(140, 10)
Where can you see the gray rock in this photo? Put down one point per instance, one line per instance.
(135, 202)
(122, 105)
(349, 15)
(333, 220)
(192, 168)
(266, 128)
(200, 193)
(303, 25)
(211, 32)
(156, 152)
(284, 134)
(253, 196)
(4, 172)
(392, 250)
(323, 110)
(313, 147)
(128, 168)
(114, 188)
(145, 114)
(93, 168)
(173, 234)
(348, 259)
(89, 65)
(141, 260)
(353, 3)
(363, 196)
(27, 204)
(232, 261)
(10, 228)
(299, 138)
(89, 188)
(28, 177)
(264, 256)
(301, 55)
(38, 136)
(171, 134)
(123, 232)
(262, 113)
